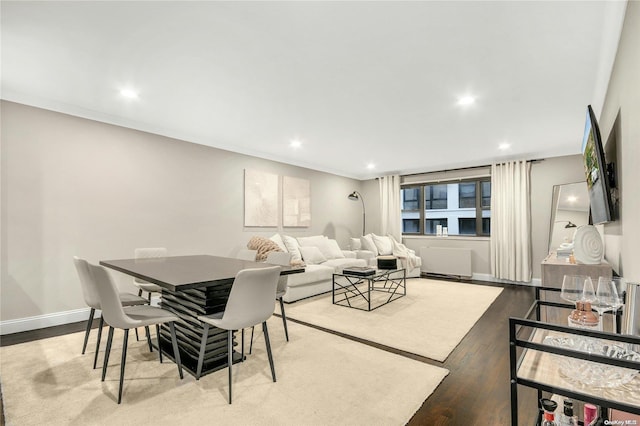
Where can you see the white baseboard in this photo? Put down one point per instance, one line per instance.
(535, 282)
(43, 321)
(50, 320)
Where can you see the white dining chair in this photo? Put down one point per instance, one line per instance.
(92, 300)
(250, 303)
(283, 259)
(139, 316)
(148, 253)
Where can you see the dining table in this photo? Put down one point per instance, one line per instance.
(193, 285)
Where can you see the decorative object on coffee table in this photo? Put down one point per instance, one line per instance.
(387, 262)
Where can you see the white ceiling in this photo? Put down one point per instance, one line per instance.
(357, 82)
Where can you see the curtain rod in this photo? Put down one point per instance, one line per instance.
(535, 160)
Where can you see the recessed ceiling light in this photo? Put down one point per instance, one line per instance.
(466, 100)
(129, 93)
(572, 198)
(504, 146)
(371, 166)
(295, 143)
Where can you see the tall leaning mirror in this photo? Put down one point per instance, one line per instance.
(569, 209)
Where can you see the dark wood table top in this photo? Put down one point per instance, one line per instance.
(185, 272)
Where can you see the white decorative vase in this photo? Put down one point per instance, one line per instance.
(587, 245)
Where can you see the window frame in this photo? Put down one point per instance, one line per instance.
(422, 202)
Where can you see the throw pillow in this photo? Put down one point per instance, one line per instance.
(384, 244)
(312, 255)
(276, 238)
(368, 244)
(264, 246)
(292, 247)
(355, 244)
(331, 250)
(315, 240)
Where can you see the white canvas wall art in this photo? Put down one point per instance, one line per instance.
(296, 202)
(260, 198)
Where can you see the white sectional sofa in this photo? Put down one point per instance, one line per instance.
(322, 257)
(370, 246)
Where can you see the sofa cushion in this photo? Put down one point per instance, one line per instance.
(383, 244)
(276, 238)
(368, 244)
(331, 249)
(355, 244)
(312, 255)
(311, 274)
(292, 247)
(314, 240)
(339, 264)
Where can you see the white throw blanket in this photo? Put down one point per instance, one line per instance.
(402, 252)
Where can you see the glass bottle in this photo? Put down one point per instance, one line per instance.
(549, 417)
(567, 418)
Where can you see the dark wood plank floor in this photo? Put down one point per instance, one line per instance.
(476, 392)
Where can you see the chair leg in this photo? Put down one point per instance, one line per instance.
(230, 357)
(95, 357)
(158, 338)
(106, 353)
(146, 327)
(140, 292)
(242, 352)
(251, 343)
(122, 363)
(203, 345)
(137, 337)
(284, 319)
(86, 334)
(268, 343)
(176, 351)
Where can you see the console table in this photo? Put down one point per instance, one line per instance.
(192, 286)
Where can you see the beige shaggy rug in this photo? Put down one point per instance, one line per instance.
(430, 320)
(322, 379)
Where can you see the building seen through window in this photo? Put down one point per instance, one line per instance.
(463, 207)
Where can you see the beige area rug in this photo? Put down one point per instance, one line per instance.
(430, 320)
(322, 379)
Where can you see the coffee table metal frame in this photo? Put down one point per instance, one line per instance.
(347, 287)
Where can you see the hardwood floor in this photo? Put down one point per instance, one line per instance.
(476, 392)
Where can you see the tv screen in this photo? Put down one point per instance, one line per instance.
(595, 170)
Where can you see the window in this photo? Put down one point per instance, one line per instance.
(411, 199)
(467, 225)
(467, 195)
(435, 197)
(461, 206)
(411, 226)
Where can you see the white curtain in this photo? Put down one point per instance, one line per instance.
(511, 221)
(390, 218)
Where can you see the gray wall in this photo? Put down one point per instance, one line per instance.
(620, 127)
(72, 186)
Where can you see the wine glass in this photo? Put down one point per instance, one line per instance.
(612, 287)
(607, 298)
(573, 288)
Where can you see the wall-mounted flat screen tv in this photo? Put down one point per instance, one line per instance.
(595, 169)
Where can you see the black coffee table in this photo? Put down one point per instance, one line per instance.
(369, 292)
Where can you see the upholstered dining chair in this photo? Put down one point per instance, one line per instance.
(92, 300)
(250, 303)
(246, 254)
(148, 253)
(139, 316)
(283, 259)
